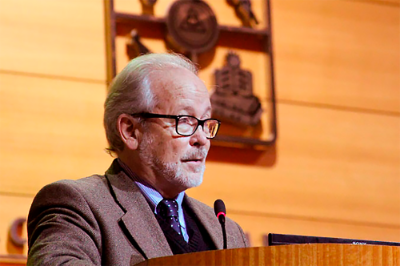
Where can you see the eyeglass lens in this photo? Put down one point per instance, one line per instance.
(187, 125)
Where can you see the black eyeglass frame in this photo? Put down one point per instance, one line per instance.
(177, 117)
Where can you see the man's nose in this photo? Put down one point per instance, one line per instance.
(199, 138)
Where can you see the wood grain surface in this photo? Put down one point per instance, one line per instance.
(63, 39)
(299, 255)
(9, 260)
(338, 53)
(51, 129)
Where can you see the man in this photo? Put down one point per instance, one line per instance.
(158, 123)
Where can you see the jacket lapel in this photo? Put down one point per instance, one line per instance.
(139, 220)
(208, 219)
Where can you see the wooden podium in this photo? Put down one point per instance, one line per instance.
(293, 255)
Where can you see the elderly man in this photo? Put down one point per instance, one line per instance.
(158, 123)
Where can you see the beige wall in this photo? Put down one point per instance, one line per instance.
(335, 170)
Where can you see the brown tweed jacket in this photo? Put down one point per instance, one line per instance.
(105, 220)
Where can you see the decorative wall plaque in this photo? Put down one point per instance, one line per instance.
(148, 6)
(15, 232)
(233, 100)
(192, 26)
(134, 46)
(148, 2)
(244, 11)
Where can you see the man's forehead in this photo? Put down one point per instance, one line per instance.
(191, 110)
(179, 84)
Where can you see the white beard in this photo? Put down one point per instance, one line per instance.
(176, 175)
(173, 172)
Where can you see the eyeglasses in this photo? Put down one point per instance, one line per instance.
(186, 125)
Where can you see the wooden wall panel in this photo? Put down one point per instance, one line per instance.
(58, 38)
(339, 53)
(383, 2)
(330, 164)
(50, 129)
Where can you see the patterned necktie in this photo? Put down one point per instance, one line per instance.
(168, 210)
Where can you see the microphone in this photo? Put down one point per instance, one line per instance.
(220, 212)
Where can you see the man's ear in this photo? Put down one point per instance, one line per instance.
(128, 130)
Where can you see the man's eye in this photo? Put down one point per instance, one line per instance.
(186, 120)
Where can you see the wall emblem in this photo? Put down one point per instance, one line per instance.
(192, 27)
(233, 99)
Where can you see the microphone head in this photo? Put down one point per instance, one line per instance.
(219, 208)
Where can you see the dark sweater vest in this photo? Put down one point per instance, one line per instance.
(199, 239)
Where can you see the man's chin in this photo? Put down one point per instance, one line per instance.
(194, 182)
(190, 180)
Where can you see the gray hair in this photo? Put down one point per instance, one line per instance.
(130, 91)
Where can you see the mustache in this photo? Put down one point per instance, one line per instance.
(195, 154)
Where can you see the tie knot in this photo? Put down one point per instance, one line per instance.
(167, 208)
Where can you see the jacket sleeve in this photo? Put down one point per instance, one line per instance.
(235, 236)
(244, 237)
(62, 228)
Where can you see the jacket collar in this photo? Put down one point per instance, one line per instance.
(138, 220)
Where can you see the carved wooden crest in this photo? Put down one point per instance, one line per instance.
(192, 26)
(233, 99)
